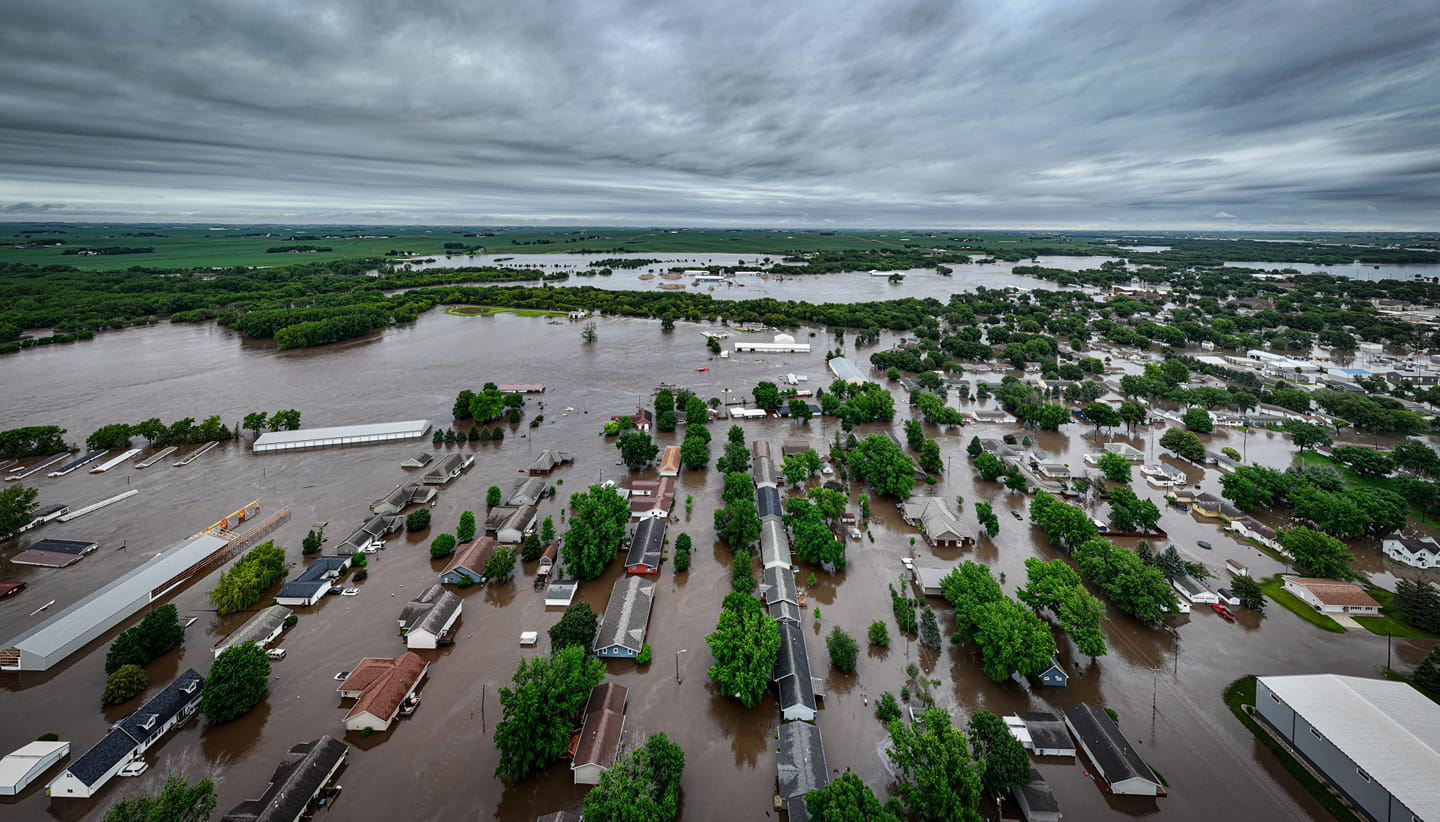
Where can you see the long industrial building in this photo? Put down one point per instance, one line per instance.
(340, 435)
(50, 642)
(1378, 742)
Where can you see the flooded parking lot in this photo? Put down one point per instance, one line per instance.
(1165, 683)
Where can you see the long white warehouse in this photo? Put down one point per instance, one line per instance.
(341, 435)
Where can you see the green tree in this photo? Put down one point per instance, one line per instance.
(929, 629)
(974, 448)
(814, 541)
(844, 651)
(596, 529)
(1055, 586)
(155, 634)
(879, 634)
(547, 530)
(588, 334)
(1133, 413)
(887, 708)
(1003, 759)
(1249, 592)
(767, 396)
(847, 799)
(127, 682)
(244, 584)
(442, 546)
(1367, 462)
(493, 496)
(532, 548)
(178, 801)
(1115, 467)
(1417, 458)
(1102, 415)
(636, 449)
(1427, 673)
(1317, 554)
(1049, 415)
(314, 540)
(115, 436)
(745, 644)
(988, 466)
(985, 515)
(235, 684)
(880, 462)
(1130, 513)
(1184, 444)
(1198, 419)
(1307, 435)
(914, 434)
(930, 459)
(254, 421)
(465, 531)
(417, 520)
(800, 410)
(736, 457)
(576, 628)
(695, 449)
(538, 709)
(643, 786)
(738, 523)
(17, 508)
(937, 778)
(501, 564)
(611, 428)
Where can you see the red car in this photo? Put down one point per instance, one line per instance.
(1223, 611)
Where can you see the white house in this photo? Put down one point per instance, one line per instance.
(427, 620)
(1191, 589)
(379, 687)
(1251, 528)
(1421, 553)
(1331, 596)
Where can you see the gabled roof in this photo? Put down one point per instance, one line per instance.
(430, 611)
(780, 585)
(527, 492)
(442, 470)
(128, 733)
(1335, 592)
(549, 459)
(258, 627)
(1047, 731)
(670, 460)
(767, 502)
(472, 556)
(774, 543)
(792, 669)
(800, 765)
(1387, 728)
(1411, 545)
(1190, 585)
(1113, 755)
(647, 543)
(627, 615)
(934, 519)
(1037, 794)
(763, 468)
(297, 779)
(383, 684)
(604, 721)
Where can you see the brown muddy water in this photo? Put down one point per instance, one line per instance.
(1165, 683)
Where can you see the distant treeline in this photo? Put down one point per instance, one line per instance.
(101, 252)
(297, 249)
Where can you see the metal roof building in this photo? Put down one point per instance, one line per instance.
(845, 370)
(800, 767)
(296, 782)
(50, 642)
(1116, 760)
(1377, 741)
(341, 435)
(260, 629)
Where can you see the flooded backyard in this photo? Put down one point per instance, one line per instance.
(1165, 683)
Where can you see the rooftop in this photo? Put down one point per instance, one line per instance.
(1335, 592)
(297, 779)
(627, 614)
(383, 684)
(1113, 755)
(341, 435)
(1387, 728)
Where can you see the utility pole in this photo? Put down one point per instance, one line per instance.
(677, 664)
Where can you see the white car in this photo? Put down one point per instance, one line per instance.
(135, 768)
(349, 592)
(370, 549)
(275, 653)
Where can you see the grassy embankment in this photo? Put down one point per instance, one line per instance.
(488, 310)
(1242, 692)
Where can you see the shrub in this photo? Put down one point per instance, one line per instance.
(644, 657)
(50, 737)
(844, 651)
(442, 546)
(125, 683)
(291, 620)
(879, 634)
(532, 548)
(367, 732)
(362, 574)
(156, 634)
(417, 520)
(358, 560)
(493, 496)
(741, 578)
(887, 709)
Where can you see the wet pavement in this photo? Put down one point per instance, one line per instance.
(1165, 683)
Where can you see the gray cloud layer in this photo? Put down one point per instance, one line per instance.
(1160, 113)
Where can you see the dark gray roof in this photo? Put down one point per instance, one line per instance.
(780, 586)
(647, 543)
(767, 500)
(297, 780)
(792, 669)
(258, 627)
(377, 526)
(800, 765)
(444, 468)
(785, 611)
(1046, 730)
(96, 762)
(127, 734)
(430, 610)
(527, 492)
(1038, 796)
(64, 546)
(316, 574)
(557, 816)
(1113, 755)
(627, 614)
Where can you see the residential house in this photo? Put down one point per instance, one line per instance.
(764, 471)
(1129, 452)
(468, 561)
(374, 530)
(1161, 475)
(1193, 591)
(1236, 568)
(313, 583)
(774, 544)
(1054, 676)
(993, 417)
(428, 620)
(527, 492)
(1041, 732)
(297, 781)
(379, 687)
(1053, 471)
(517, 526)
(446, 469)
(792, 675)
(130, 738)
(1331, 596)
(261, 629)
(790, 448)
(940, 528)
(800, 767)
(1001, 449)
(548, 461)
(403, 497)
(1116, 761)
(767, 502)
(1207, 504)
(928, 578)
(781, 594)
(627, 616)
(670, 461)
(419, 459)
(1036, 800)
(652, 498)
(1376, 742)
(602, 727)
(1251, 528)
(640, 421)
(1421, 553)
(647, 545)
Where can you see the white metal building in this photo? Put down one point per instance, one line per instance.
(341, 435)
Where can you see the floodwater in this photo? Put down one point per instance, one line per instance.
(1355, 271)
(439, 763)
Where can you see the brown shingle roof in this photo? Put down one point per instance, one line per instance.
(604, 723)
(472, 555)
(385, 683)
(1335, 592)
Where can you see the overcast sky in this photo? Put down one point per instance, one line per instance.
(1041, 113)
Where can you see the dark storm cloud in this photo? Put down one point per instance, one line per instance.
(1159, 113)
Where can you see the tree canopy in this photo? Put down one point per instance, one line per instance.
(745, 644)
(880, 462)
(235, 684)
(642, 786)
(178, 801)
(538, 709)
(937, 777)
(596, 529)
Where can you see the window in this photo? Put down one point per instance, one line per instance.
(1316, 733)
(1274, 697)
(1361, 773)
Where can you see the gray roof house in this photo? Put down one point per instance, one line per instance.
(548, 461)
(1036, 799)
(1421, 553)
(131, 737)
(800, 767)
(1116, 760)
(647, 544)
(763, 470)
(792, 675)
(1378, 742)
(373, 530)
(527, 492)
(261, 629)
(1046, 733)
(403, 497)
(781, 596)
(446, 469)
(774, 544)
(426, 621)
(936, 523)
(312, 584)
(517, 526)
(297, 780)
(767, 502)
(622, 630)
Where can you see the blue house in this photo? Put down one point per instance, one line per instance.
(1054, 676)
